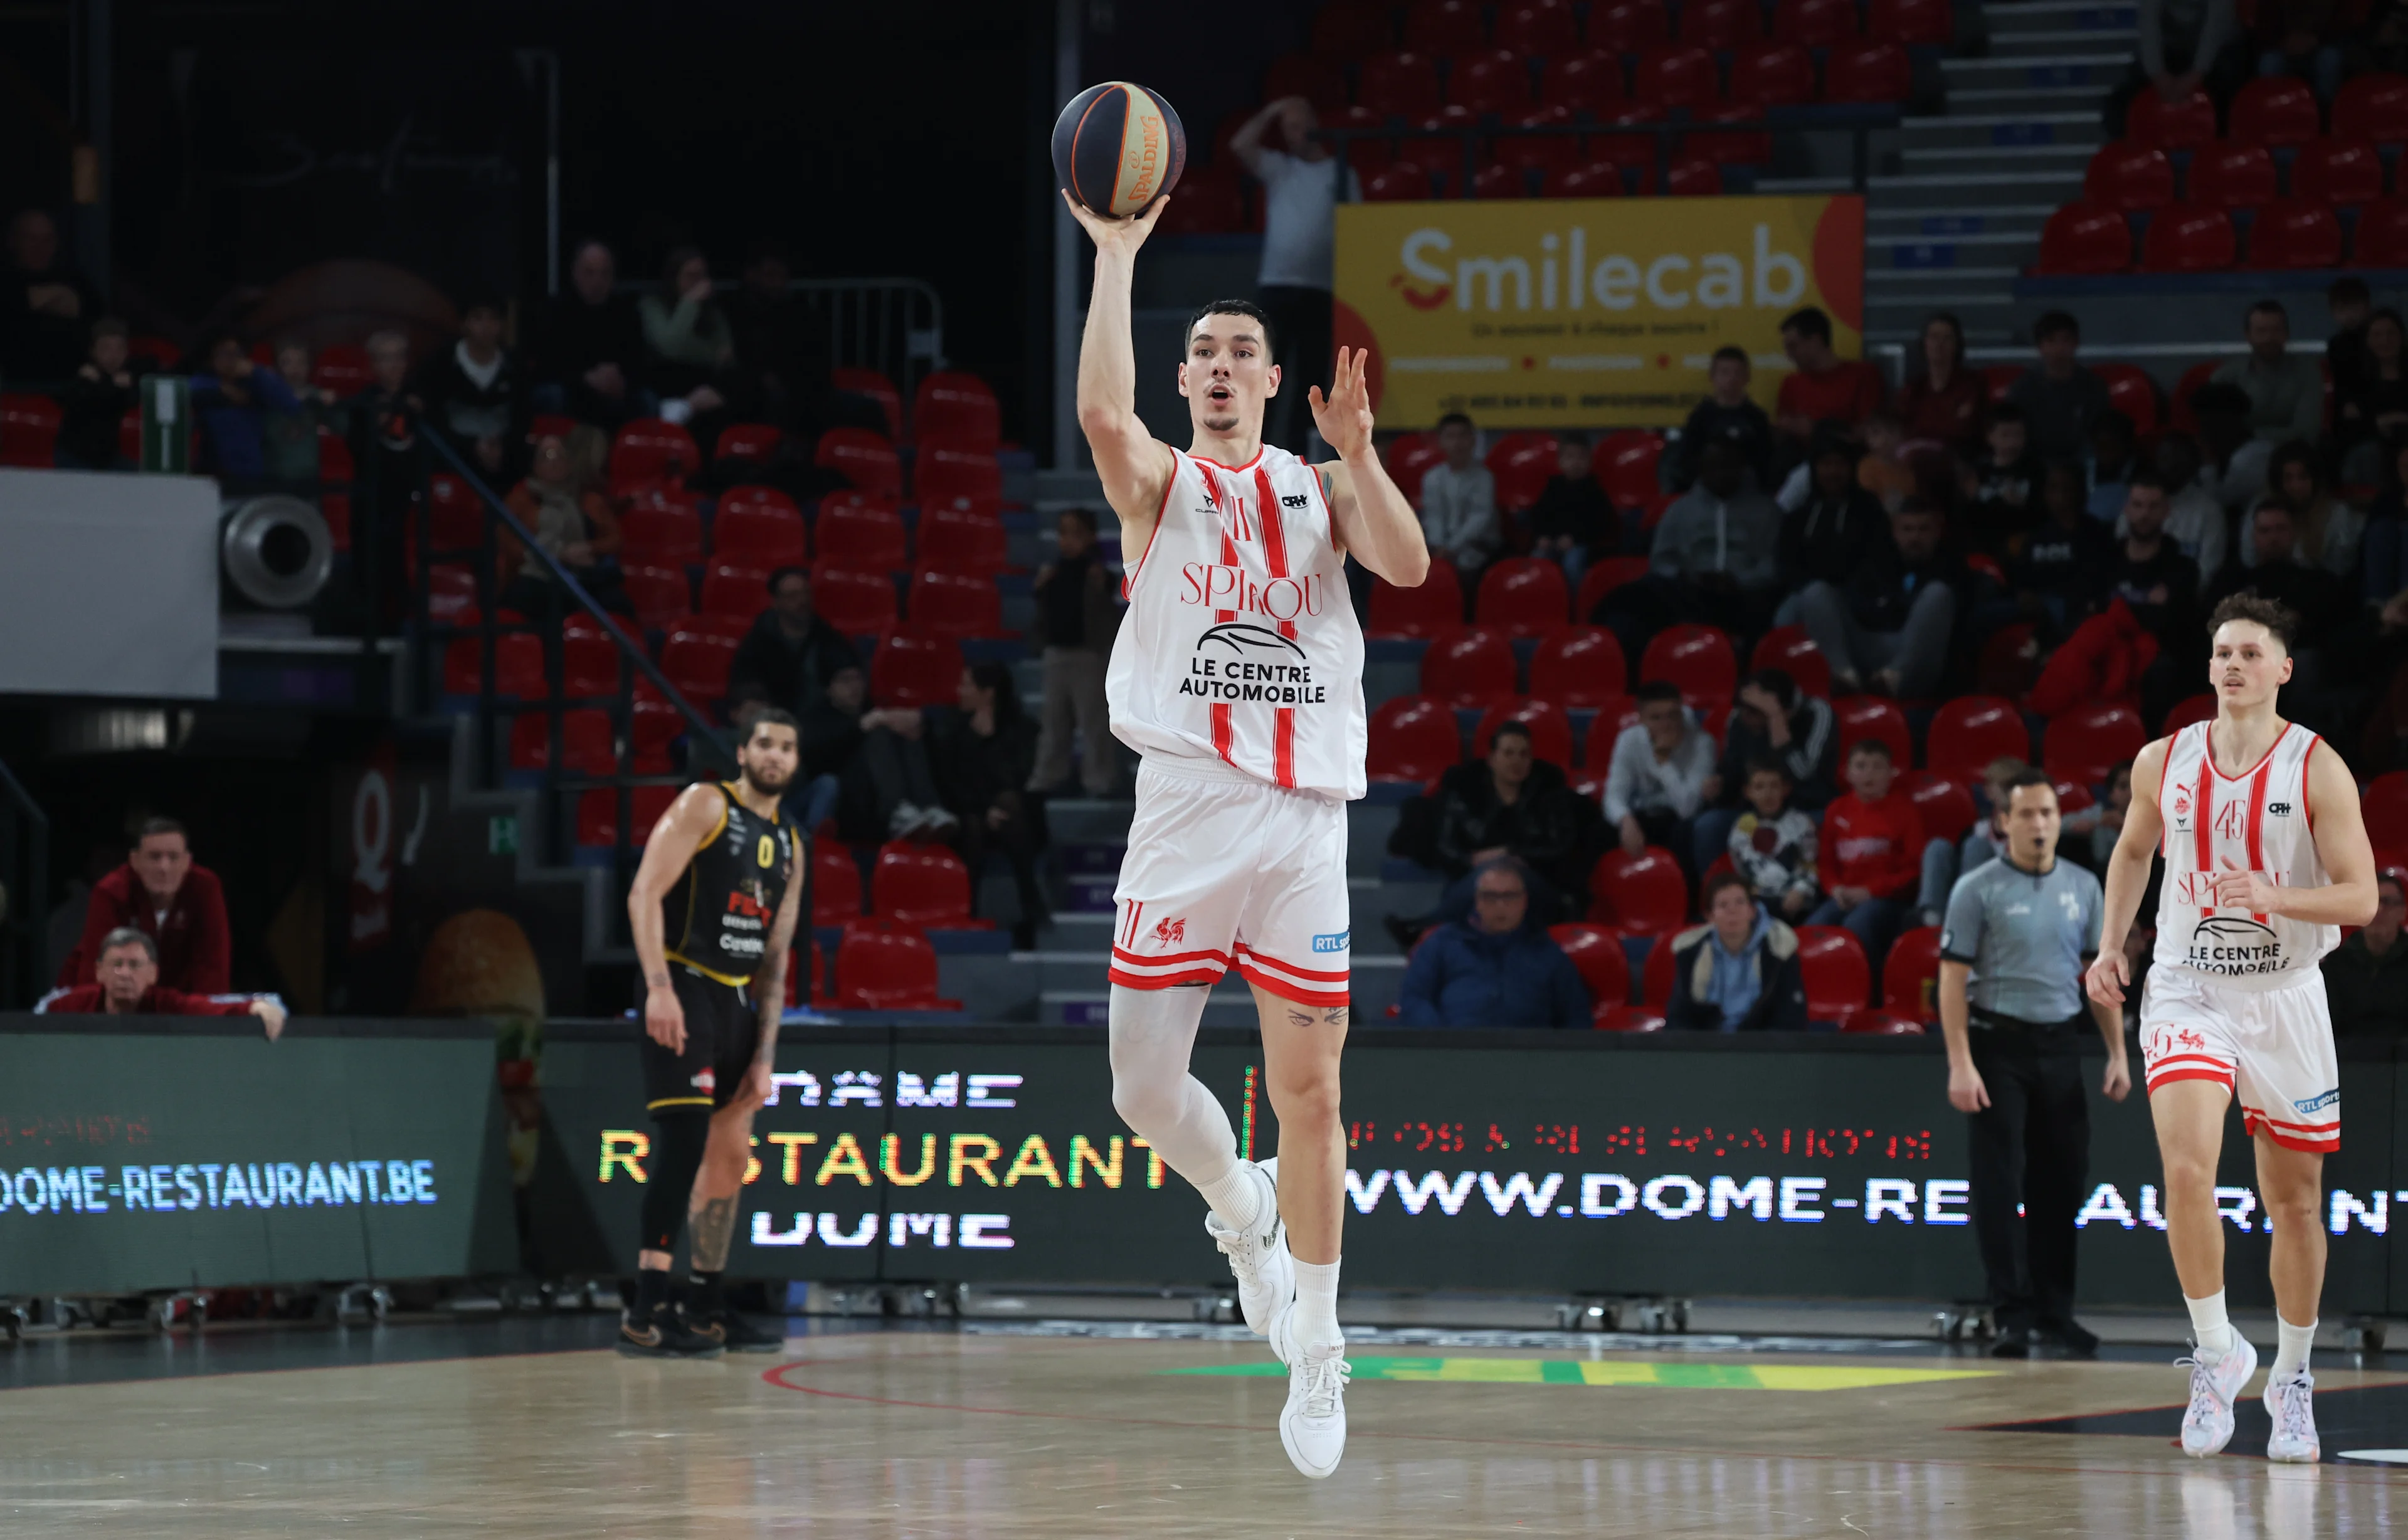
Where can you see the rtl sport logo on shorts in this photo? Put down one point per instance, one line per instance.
(1337, 942)
(2320, 1100)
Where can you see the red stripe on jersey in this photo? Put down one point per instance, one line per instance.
(2307, 807)
(2205, 815)
(1225, 727)
(2256, 819)
(1275, 557)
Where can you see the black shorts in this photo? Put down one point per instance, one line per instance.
(723, 1033)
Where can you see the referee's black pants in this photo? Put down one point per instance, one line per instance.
(2031, 1145)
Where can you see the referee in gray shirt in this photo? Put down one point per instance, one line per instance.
(2020, 930)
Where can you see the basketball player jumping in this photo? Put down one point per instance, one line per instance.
(713, 908)
(2266, 857)
(1238, 676)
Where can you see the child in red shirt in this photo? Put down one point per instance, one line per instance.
(1872, 840)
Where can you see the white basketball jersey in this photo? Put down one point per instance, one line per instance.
(1240, 651)
(2258, 821)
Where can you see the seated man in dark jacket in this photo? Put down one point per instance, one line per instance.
(791, 651)
(1739, 971)
(1513, 804)
(2366, 977)
(1839, 527)
(1890, 625)
(1495, 967)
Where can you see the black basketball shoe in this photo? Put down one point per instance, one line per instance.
(735, 1333)
(664, 1332)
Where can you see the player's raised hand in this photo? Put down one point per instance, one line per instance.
(1110, 234)
(1344, 415)
(2107, 976)
(2236, 889)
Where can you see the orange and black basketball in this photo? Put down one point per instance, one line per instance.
(1118, 147)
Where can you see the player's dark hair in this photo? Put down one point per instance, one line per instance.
(1245, 307)
(1658, 689)
(159, 826)
(775, 716)
(1728, 354)
(1869, 746)
(126, 936)
(2030, 775)
(2280, 619)
(1720, 880)
(1810, 321)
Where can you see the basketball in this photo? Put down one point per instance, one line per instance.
(1118, 147)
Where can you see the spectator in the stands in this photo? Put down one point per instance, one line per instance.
(1888, 627)
(164, 893)
(474, 391)
(2287, 394)
(590, 347)
(2054, 567)
(289, 440)
(783, 344)
(1076, 619)
(2000, 492)
(1459, 502)
(1726, 415)
(126, 983)
(573, 521)
(1884, 470)
(389, 471)
(2374, 406)
(1837, 529)
(1572, 524)
(890, 791)
(2234, 458)
(1871, 860)
(2328, 530)
(96, 400)
(982, 753)
(1494, 966)
(2384, 543)
(1772, 718)
(2113, 455)
(1944, 403)
(1716, 557)
(1822, 386)
(2112, 813)
(2185, 46)
(792, 650)
(690, 346)
(2149, 572)
(1509, 804)
(2366, 977)
(1738, 971)
(2194, 519)
(2281, 574)
(1661, 773)
(2302, 38)
(2062, 399)
(831, 740)
(1987, 840)
(45, 305)
(1771, 844)
(1302, 182)
(232, 402)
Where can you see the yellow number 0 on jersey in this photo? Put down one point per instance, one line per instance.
(768, 849)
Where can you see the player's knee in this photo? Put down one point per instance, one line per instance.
(2189, 1173)
(1307, 1098)
(1145, 1101)
(2293, 1201)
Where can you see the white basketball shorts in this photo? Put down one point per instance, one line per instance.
(2272, 1049)
(1226, 870)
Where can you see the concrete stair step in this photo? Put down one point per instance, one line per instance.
(2087, 67)
(1885, 223)
(2002, 130)
(2011, 45)
(2015, 99)
(1961, 254)
(2038, 159)
(1965, 190)
(2082, 17)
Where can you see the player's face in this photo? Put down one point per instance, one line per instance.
(126, 972)
(1227, 375)
(2033, 821)
(768, 757)
(2246, 663)
(160, 862)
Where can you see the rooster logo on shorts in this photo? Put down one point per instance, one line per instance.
(1167, 931)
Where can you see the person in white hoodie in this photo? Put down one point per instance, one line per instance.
(1458, 502)
(1662, 772)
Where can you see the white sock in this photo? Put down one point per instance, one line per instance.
(1316, 1306)
(2291, 1349)
(2208, 1323)
(1236, 1196)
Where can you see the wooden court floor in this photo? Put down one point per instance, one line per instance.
(892, 1433)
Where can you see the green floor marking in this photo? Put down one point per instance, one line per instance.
(1676, 1375)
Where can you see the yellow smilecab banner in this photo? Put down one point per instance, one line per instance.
(1564, 313)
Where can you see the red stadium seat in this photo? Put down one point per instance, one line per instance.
(914, 671)
(1615, 714)
(1814, 24)
(2191, 708)
(2373, 107)
(941, 474)
(2192, 379)
(1857, 718)
(1625, 26)
(965, 540)
(1838, 977)
(1549, 154)
(948, 603)
(2344, 172)
(1946, 807)
(2186, 124)
(1544, 27)
(1673, 77)
(1911, 975)
(2231, 175)
(2080, 237)
(2186, 239)
(1645, 894)
(1313, 76)
(1775, 74)
(1790, 649)
(1468, 667)
(2385, 810)
(748, 441)
(651, 449)
(1348, 29)
(1626, 466)
(2293, 233)
(954, 408)
(1693, 177)
(1551, 730)
(1580, 667)
(2126, 175)
(1489, 80)
(1496, 183)
(1444, 27)
(1998, 378)
(1720, 26)
(836, 883)
(598, 814)
(1604, 967)
(660, 595)
(1696, 658)
(1401, 84)
(1588, 83)
(1523, 596)
(585, 742)
(1925, 21)
(1968, 732)
(1601, 579)
(452, 595)
(697, 662)
(859, 603)
(1403, 182)
(887, 969)
(738, 591)
(589, 659)
(455, 514)
(1409, 458)
(864, 459)
(1413, 739)
(2082, 745)
(660, 535)
(1521, 462)
(1597, 180)
(874, 384)
(342, 370)
(1212, 202)
(29, 431)
(2273, 111)
(916, 884)
(2382, 239)
(1415, 612)
(759, 526)
(865, 537)
(1869, 71)
(2132, 392)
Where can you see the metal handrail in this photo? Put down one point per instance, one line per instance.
(27, 908)
(1865, 117)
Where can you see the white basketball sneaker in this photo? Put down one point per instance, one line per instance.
(1313, 1425)
(2214, 1386)
(2291, 1403)
(1266, 1272)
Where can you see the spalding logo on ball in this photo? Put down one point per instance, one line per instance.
(1118, 147)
